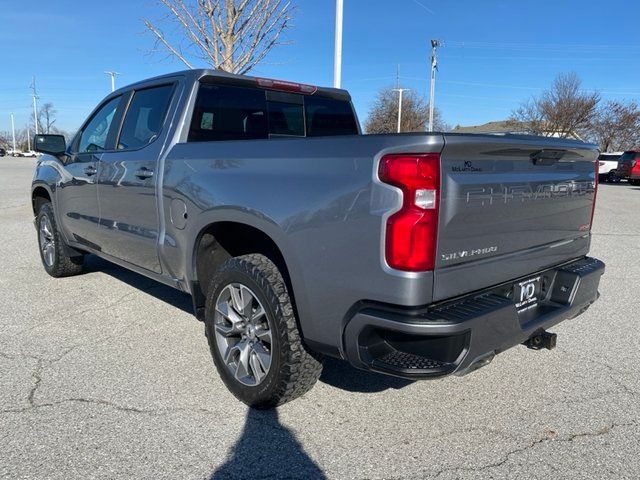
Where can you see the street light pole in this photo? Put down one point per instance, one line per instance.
(35, 104)
(337, 60)
(13, 133)
(432, 94)
(113, 79)
(400, 94)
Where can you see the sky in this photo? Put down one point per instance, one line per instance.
(495, 53)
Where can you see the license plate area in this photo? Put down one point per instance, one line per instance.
(527, 294)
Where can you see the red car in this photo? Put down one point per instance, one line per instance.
(629, 166)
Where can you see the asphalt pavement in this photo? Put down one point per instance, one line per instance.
(108, 375)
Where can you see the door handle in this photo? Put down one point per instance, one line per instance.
(90, 170)
(144, 173)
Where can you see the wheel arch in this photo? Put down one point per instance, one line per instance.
(40, 194)
(223, 239)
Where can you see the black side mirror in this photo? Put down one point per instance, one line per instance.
(51, 144)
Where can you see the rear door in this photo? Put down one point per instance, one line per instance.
(127, 180)
(511, 206)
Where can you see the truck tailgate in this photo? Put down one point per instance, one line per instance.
(510, 206)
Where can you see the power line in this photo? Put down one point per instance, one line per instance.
(424, 7)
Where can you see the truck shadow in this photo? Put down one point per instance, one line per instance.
(267, 449)
(339, 374)
(169, 295)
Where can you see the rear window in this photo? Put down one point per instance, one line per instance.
(629, 156)
(609, 157)
(145, 117)
(237, 113)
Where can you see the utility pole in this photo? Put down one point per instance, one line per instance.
(13, 133)
(113, 79)
(400, 93)
(434, 67)
(28, 139)
(35, 103)
(337, 60)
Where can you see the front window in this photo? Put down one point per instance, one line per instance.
(95, 135)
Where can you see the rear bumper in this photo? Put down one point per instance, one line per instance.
(464, 334)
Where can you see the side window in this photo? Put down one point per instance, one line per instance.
(145, 116)
(329, 117)
(229, 113)
(94, 135)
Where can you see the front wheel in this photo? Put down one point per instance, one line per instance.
(53, 253)
(253, 334)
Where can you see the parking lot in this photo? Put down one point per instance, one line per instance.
(108, 375)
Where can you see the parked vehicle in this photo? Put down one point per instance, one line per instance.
(629, 167)
(609, 167)
(415, 255)
(3, 152)
(14, 153)
(29, 153)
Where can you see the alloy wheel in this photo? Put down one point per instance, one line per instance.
(47, 241)
(243, 335)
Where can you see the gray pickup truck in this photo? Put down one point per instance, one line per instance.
(414, 255)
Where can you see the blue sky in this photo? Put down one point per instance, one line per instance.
(495, 54)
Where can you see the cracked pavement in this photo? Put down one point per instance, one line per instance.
(107, 375)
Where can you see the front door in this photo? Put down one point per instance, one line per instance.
(76, 195)
(127, 181)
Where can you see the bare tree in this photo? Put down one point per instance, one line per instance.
(229, 35)
(383, 116)
(46, 117)
(5, 140)
(564, 110)
(617, 126)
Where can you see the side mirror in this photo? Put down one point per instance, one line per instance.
(51, 144)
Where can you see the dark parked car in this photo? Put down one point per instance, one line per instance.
(629, 166)
(3, 152)
(415, 255)
(609, 167)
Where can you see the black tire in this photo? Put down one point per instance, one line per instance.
(293, 368)
(635, 183)
(612, 177)
(59, 263)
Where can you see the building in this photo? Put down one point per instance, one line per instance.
(513, 127)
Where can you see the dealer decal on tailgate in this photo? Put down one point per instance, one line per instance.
(527, 294)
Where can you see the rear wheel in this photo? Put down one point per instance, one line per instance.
(253, 334)
(612, 177)
(635, 183)
(53, 251)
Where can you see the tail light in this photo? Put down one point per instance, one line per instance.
(595, 194)
(285, 86)
(412, 232)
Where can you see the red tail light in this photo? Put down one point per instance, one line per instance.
(412, 232)
(595, 194)
(285, 86)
